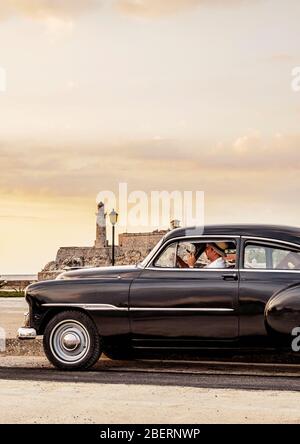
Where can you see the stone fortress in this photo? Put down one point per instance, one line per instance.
(131, 248)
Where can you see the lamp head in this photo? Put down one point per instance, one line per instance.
(113, 217)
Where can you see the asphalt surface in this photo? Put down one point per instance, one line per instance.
(158, 379)
(184, 374)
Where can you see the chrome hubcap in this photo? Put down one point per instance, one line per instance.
(70, 342)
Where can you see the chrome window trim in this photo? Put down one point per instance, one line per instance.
(272, 240)
(176, 239)
(232, 270)
(268, 270)
(250, 238)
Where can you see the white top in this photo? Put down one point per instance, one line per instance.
(218, 263)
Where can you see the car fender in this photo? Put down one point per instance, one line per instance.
(104, 300)
(282, 312)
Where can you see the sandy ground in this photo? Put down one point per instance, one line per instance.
(52, 402)
(12, 315)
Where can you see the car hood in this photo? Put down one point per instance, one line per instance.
(124, 271)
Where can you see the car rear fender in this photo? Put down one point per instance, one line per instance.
(282, 312)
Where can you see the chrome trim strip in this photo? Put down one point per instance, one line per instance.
(88, 306)
(269, 239)
(268, 270)
(113, 307)
(209, 236)
(203, 236)
(178, 309)
(232, 270)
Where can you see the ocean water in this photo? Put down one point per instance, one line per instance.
(18, 277)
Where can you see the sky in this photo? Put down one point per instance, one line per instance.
(160, 94)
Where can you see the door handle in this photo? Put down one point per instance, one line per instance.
(230, 277)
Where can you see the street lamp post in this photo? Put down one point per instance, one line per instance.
(113, 217)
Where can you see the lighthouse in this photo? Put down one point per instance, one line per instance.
(100, 241)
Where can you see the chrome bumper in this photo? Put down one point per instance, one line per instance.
(26, 333)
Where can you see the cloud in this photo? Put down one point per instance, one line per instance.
(17, 216)
(47, 9)
(75, 170)
(157, 8)
(67, 10)
(280, 57)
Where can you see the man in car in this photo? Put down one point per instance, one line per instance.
(215, 253)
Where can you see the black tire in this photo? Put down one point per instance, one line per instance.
(71, 341)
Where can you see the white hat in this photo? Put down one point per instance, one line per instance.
(219, 247)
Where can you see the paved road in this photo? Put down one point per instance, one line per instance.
(157, 379)
(145, 392)
(201, 375)
(40, 394)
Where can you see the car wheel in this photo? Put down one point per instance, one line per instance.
(71, 341)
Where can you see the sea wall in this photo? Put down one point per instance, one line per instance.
(132, 248)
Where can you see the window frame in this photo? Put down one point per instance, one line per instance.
(268, 243)
(150, 265)
(162, 252)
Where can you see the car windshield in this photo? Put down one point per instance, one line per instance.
(152, 252)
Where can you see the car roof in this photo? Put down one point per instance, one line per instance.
(279, 232)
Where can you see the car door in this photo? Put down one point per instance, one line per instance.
(266, 267)
(186, 304)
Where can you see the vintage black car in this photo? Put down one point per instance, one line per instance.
(219, 287)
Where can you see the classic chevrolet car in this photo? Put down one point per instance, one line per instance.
(219, 287)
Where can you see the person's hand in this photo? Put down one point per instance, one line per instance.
(191, 260)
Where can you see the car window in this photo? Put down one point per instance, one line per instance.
(167, 258)
(274, 258)
(152, 252)
(255, 257)
(185, 249)
(178, 255)
(285, 259)
(194, 254)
